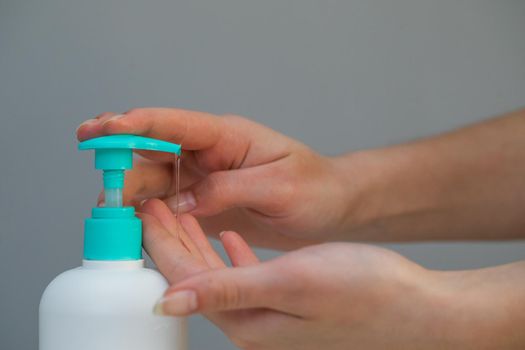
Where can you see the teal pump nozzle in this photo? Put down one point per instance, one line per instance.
(114, 232)
(114, 155)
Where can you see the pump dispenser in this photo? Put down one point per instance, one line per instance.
(107, 303)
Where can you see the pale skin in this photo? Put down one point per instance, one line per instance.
(276, 192)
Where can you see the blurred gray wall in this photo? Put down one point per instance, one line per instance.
(338, 75)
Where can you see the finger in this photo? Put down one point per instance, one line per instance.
(238, 250)
(258, 286)
(170, 256)
(255, 188)
(195, 130)
(101, 199)
(194, 231)
(159, 210)
(96, 127)
(147, 179)
(93, 127)
(226, 141)
(263, 236)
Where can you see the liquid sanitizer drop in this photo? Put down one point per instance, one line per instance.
(107, 303)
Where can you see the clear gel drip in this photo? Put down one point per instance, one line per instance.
(176, 173)
(177, 181)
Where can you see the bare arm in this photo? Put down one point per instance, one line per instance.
(465, 184)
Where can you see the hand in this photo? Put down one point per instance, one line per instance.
(181, 250)
(236, 174)
(342, 296)
(332, 296)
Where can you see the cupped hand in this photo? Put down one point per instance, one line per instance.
(236, 174)
(180, 250)
(329, 296)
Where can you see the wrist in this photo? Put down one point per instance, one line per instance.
(352, 186)
(352, 189)
(390, 193)
(372, 184)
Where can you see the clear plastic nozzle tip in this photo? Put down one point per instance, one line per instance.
(113, 197)
(113, 184)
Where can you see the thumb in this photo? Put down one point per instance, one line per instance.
(221, 190)
(259, 286)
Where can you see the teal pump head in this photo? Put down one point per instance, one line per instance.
(114, 232)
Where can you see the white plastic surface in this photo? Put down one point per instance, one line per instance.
(107, 305)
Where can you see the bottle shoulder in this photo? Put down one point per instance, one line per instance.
(90, 272)
(95, 288)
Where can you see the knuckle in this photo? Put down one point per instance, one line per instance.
(133, 111)
(104, 114)
(112, 127)
(215, 184)
(226, 295)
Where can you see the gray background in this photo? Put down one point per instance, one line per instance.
(339, 75)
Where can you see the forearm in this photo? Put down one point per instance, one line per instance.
(466, 184)
(482, 309)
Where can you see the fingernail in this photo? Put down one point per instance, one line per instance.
(186, 202)
(177, 304)
(222, 234)
(87, 122)
(142, 202)
(113, 118)
(101, 204)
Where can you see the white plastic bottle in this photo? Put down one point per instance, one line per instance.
(107, 303)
